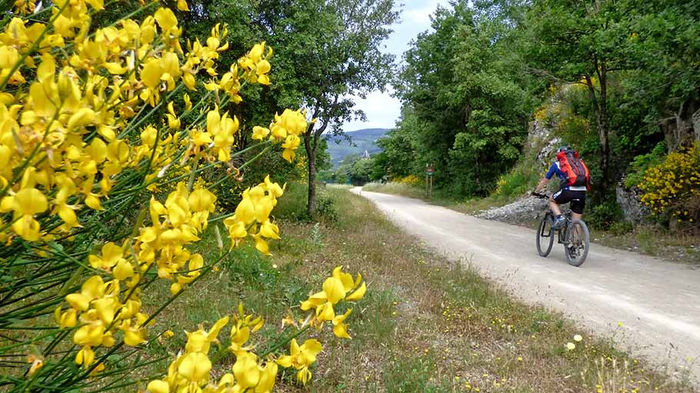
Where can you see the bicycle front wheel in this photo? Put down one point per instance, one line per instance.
(545, 236)
(578, 242)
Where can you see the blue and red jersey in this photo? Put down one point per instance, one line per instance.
(554, 169)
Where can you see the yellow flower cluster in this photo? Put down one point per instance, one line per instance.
(63, 143)
(340, 286)
(673, 185)
(98, 307)
(287, 127)
(301, 357)
(410, 179)
(191, 370)
(77, 138)
(174, 225)
(252, 215)
(101, 314)
(255, 65)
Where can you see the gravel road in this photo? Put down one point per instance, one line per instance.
(650, 307)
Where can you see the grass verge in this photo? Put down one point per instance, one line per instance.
(426, 324)
(441, 198)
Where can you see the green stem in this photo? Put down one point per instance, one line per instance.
(285, 341)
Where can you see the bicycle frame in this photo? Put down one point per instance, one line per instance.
(575, 254)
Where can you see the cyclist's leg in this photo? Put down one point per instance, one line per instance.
(578, 203)
(554, 206)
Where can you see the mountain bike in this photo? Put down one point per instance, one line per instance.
(573, 235)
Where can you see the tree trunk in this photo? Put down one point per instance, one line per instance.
(310, 143)
(601, 105)
(604, 146)
(311, 205)
(683, 128)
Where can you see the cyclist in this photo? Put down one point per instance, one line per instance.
(574, 184)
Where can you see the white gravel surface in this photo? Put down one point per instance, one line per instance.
(650, 307)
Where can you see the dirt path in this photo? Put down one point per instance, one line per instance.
(650, 307)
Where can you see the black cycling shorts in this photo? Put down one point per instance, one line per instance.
(577, 199)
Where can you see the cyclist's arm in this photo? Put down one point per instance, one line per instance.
(543, 182)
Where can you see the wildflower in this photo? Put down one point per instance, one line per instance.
(570, 346)
(37, 362)
(578, 338)
(301, 357)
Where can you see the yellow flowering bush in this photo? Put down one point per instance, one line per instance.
(673, 186)
(101, 195)
(410, 179)
(191, 371)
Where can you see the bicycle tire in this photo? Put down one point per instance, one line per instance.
(581, 250)
(540, 236)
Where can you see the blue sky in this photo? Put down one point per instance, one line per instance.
(381, 109)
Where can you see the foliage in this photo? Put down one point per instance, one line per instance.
(673, 186)
(353, 170)
(641, 162)
(465, 100)
(603, 215)
(99, 201)
(410, 179)
(622, 78)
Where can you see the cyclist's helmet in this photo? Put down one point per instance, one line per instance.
(565, 149)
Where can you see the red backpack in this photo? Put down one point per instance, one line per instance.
(575, 170)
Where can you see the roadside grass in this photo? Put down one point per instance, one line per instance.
(441, 198)
(425, 325)
(403, 189)
(681, 247)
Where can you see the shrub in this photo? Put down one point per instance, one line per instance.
(325, 207)
(604, 215)
(641, 162)
(410, 179)
(100, 198)
(672, 187)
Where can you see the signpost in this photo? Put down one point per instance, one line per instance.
(429, 172)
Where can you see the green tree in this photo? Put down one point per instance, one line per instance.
(466, 99)
(328, 51)
(584, 42)
(361, 171)
(666, 80)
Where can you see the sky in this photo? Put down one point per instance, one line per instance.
(381, 109)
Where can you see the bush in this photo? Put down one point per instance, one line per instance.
(410, 179)
(325, 207)
(604, 215)
(520, 180)
(102, 195)
(641, 162)
(672, 187)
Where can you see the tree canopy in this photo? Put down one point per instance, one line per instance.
(472, 84)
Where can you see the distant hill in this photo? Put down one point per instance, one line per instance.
(360, 141)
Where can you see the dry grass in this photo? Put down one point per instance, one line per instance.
(426, 325)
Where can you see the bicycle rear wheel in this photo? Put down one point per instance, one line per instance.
(545, 235)
(578, 242)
